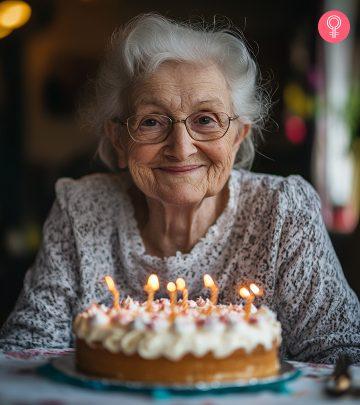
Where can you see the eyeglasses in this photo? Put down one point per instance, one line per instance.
(155, 128)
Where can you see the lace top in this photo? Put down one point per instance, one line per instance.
(270, 232)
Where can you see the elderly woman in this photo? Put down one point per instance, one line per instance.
(176, 107)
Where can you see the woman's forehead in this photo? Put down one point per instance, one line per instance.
(195, 101)
(193, 86)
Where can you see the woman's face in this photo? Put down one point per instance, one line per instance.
(178, 90)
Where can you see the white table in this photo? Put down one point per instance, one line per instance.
(20, 384)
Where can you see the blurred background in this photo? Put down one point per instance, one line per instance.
(49, 49)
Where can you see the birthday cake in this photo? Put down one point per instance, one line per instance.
(189, 342)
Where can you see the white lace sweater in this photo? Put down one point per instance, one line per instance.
(270, 232)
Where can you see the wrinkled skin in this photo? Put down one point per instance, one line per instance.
(179, 207)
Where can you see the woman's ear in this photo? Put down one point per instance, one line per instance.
(113, 133)
(241, 134)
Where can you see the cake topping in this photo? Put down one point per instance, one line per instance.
(132, 328)
(100, 318)
(172, 328)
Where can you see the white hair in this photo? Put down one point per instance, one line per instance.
(143, 44)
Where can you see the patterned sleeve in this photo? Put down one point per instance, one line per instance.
(43, 312)
(319, 312)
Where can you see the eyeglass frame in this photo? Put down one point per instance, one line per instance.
(117, 120)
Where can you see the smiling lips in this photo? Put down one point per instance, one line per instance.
(179, 169)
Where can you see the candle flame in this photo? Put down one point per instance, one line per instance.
(110, 283)
(244, 292)
(254, 288)
(171, 287)
(14, 14)
(111, 286)
(153, 282)
(180, 284)
(208, 281)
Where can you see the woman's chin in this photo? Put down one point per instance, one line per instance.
(181, 195)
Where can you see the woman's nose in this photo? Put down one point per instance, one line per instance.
(179, 143)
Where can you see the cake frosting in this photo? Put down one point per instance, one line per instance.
(199, 330)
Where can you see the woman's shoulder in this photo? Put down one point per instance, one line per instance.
(291, 193)
(97, 191)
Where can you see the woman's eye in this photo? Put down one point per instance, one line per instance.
(205, 119)
(150, 122)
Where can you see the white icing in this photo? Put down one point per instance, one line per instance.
(99, 319)
(184, 325)
(201, 329)
(130, 342)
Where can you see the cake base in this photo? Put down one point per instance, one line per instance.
(97, 361)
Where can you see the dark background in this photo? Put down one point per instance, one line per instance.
(43, 67)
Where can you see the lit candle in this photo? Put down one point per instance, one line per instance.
(257, 291)
(181, 286)
(249, 298)
(214, 290)
(111, 286)
(151, 287)
(171, 287)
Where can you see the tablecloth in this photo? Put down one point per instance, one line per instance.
(21, 384)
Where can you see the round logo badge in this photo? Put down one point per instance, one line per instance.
(334, 26)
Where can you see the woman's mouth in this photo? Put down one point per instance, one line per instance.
(179, 169)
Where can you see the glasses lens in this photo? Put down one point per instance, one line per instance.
(149, 128)
(206, 126)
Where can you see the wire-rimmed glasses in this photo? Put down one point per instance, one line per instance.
(154, 128)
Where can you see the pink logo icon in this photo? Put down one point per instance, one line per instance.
(334, 26)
